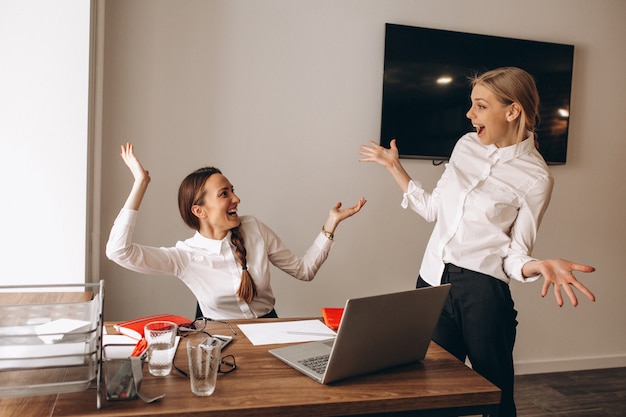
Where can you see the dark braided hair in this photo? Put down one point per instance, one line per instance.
(247, 288)
(191, 193)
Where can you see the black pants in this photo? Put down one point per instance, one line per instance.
(478, 322)
(271, 315)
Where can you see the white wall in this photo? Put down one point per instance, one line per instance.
(279, 94)
(44, 96)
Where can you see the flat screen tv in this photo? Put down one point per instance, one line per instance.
(426, 88)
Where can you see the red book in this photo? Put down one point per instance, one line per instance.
(332, 317)
(134, 328)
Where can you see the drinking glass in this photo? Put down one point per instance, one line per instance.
(161, 338)
(204, 364)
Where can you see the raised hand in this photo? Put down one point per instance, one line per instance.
(338, 214)
(128, 156)
(376, 153)
(389, 158)
(142, 177)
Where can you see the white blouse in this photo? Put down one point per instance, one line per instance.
(209, 267)
(488, 206)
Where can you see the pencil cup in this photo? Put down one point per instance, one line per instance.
(204, 362)
(118, 375)
(161, 338)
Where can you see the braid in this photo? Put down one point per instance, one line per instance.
(247, 289)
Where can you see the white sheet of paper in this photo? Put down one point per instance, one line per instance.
(55, 330)
(118, 352)
(286, 332)
(39, 356)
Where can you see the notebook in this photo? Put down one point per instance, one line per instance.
(134, 328)
(375, 333)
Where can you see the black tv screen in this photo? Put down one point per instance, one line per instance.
(426, 88)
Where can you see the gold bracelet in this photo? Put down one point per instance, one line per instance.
(328, 234)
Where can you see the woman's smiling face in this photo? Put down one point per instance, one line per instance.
(491, 118)
(218, 211)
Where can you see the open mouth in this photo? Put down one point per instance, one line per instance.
(232, 213)
(479, 129)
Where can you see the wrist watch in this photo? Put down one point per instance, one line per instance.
(328, 234)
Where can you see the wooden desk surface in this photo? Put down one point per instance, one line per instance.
(21, 298)
(264, 386)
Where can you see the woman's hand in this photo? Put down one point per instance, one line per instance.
(128, 156)
(560, 274)
(142, 177)
(338, 214)
(373, 152)
(389, 158)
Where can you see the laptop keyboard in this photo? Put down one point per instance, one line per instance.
(316, 364)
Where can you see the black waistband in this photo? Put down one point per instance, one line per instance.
(453, 269)
(271, 315)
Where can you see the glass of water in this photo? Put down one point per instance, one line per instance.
(161, 338)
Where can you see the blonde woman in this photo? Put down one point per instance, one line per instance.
(487, 206)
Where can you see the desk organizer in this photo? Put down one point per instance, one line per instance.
(119, 381)
(50, 339)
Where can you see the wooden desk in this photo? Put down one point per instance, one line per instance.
(440, 385)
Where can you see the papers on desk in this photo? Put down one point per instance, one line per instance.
(286, 332)
(56, 330)
(41, 356)
(119, 346)
(57, 343)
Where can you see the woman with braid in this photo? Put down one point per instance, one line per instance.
(226, 264)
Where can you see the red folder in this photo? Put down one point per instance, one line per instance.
(134, 328)
(332, 317)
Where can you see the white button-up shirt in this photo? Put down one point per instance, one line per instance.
(487, 205)
(209, 267)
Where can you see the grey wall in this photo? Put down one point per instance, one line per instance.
(279, 94)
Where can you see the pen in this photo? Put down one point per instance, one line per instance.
(116, 385)
(311, 334)
(140, 347)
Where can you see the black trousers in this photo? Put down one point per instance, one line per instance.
(271, 315)
(478, 322)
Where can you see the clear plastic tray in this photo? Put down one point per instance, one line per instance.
(50, 339)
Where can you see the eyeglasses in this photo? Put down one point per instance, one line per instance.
(227, 365)
(199, 325)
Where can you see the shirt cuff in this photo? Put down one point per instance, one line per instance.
(405, 197)
(322, 242)
(513, 269)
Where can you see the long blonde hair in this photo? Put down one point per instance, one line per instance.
(514, 85)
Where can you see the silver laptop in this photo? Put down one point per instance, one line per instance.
(375, 333)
